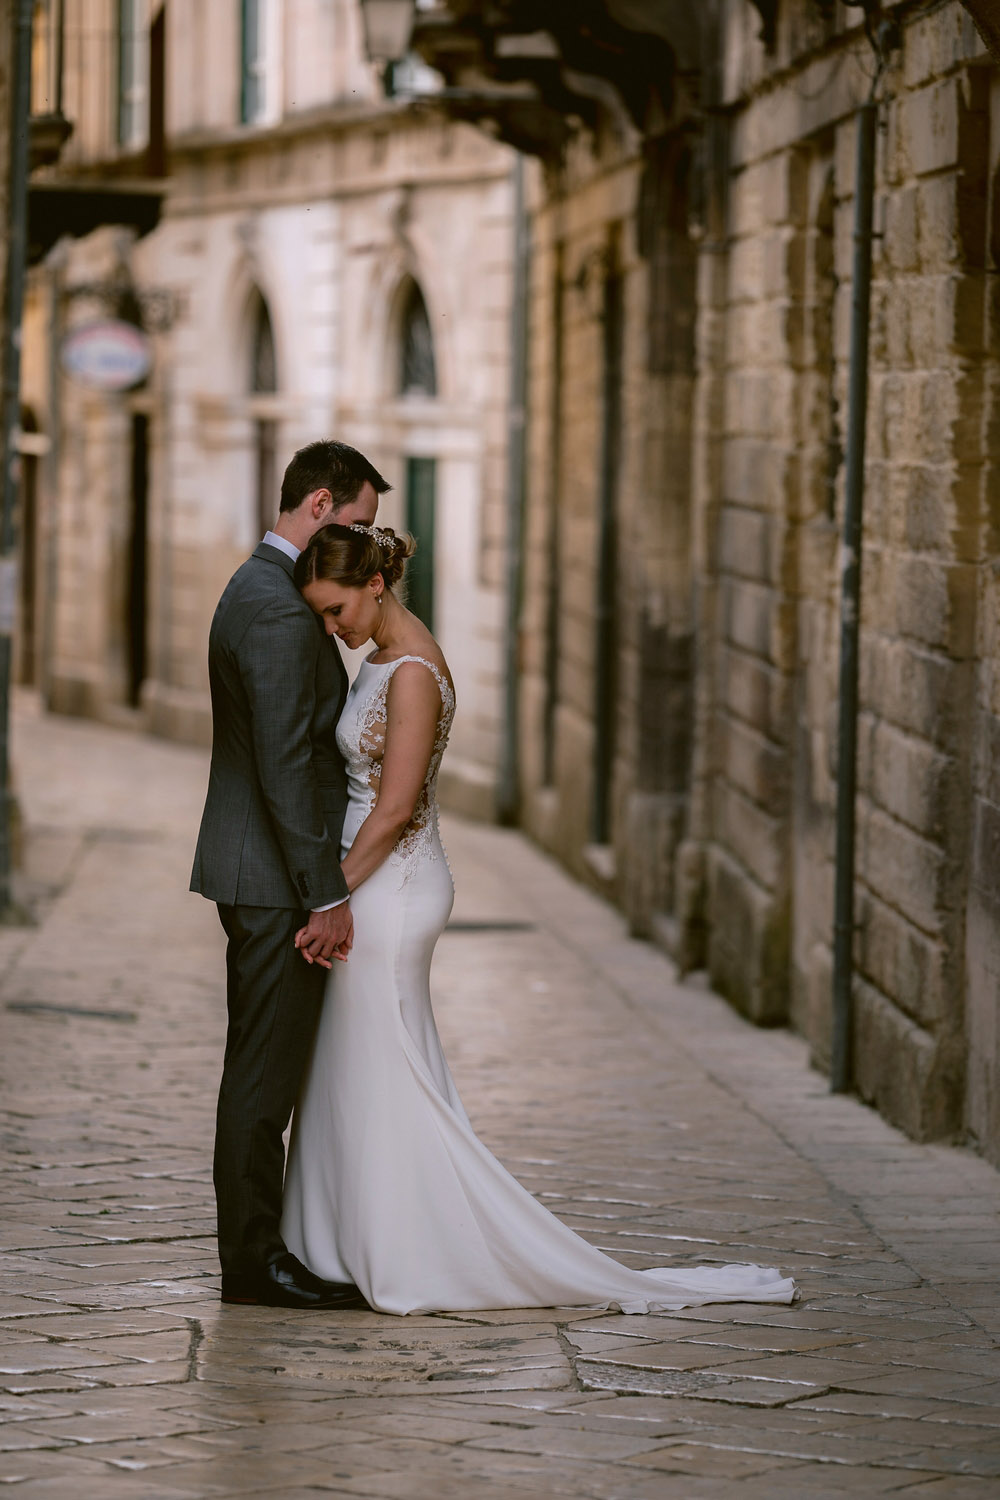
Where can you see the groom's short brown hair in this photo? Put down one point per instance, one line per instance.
(329, 465)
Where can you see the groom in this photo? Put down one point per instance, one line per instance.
(269, 855)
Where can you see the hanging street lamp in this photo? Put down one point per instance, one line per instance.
(388, 27)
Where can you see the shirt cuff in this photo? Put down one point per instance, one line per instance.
(331, 905)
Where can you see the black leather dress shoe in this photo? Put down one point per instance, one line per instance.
(286, 1282)
(241, 1289)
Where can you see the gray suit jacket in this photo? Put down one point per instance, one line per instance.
(277, 790)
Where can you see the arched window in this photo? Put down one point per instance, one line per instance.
(417, 373)
(263, 364)
(263, 382)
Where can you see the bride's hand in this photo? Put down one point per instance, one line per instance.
(326, 936)
(300, 937)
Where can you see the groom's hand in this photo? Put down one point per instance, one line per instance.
(326, 936)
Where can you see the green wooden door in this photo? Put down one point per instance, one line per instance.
(420, 486)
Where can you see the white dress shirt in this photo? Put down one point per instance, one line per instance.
(290, 550)
(283, 545)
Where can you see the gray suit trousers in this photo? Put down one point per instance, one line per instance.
(274, 1000)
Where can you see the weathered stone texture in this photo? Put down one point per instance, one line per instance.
(915, 783)
(611, 379)
(748, 950)
(908, 1073)
(768, 744)
(899, 959)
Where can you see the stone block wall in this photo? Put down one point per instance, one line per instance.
(619, 216)
(568, 263)
(760, 366)
(722, 837)
(974, 512)
(924, 551)
(925, 949)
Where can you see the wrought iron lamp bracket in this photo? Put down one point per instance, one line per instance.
(155, 309)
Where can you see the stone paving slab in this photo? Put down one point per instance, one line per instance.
(640, 1109)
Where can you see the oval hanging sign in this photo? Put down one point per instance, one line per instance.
(107, 355)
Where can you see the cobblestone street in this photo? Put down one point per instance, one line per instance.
(644, 1111)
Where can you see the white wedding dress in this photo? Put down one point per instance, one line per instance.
(387, 1183)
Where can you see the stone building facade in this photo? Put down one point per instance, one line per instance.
(689, 352)
(328, 261)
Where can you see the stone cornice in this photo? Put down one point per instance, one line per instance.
(326, 121)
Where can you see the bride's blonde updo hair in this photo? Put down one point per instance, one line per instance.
(352, 555)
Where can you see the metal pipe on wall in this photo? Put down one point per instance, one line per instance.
(508, 790)
(56, 266)
(606, 592)
(850, 608)
(17, 250)
(59, 49)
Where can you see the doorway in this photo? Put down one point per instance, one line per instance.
(263, 387)
(30, 447)
(137, 559)
(421, 482)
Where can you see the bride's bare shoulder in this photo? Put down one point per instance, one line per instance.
(421, 649)
(415, 660)
(434, 659)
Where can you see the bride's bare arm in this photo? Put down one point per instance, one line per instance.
(413, 707)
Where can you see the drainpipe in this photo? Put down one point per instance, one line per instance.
(56, 264)
(508, 791)
(19, 75)
(850, 607)
(59, 23)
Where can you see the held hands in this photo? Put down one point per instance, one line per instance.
(326, 936)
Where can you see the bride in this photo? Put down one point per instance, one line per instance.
(387, 1183)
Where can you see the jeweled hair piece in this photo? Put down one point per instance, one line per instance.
(384, 539)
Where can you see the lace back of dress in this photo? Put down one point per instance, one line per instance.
(420, 833)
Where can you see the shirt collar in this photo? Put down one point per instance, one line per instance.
(283, 545)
